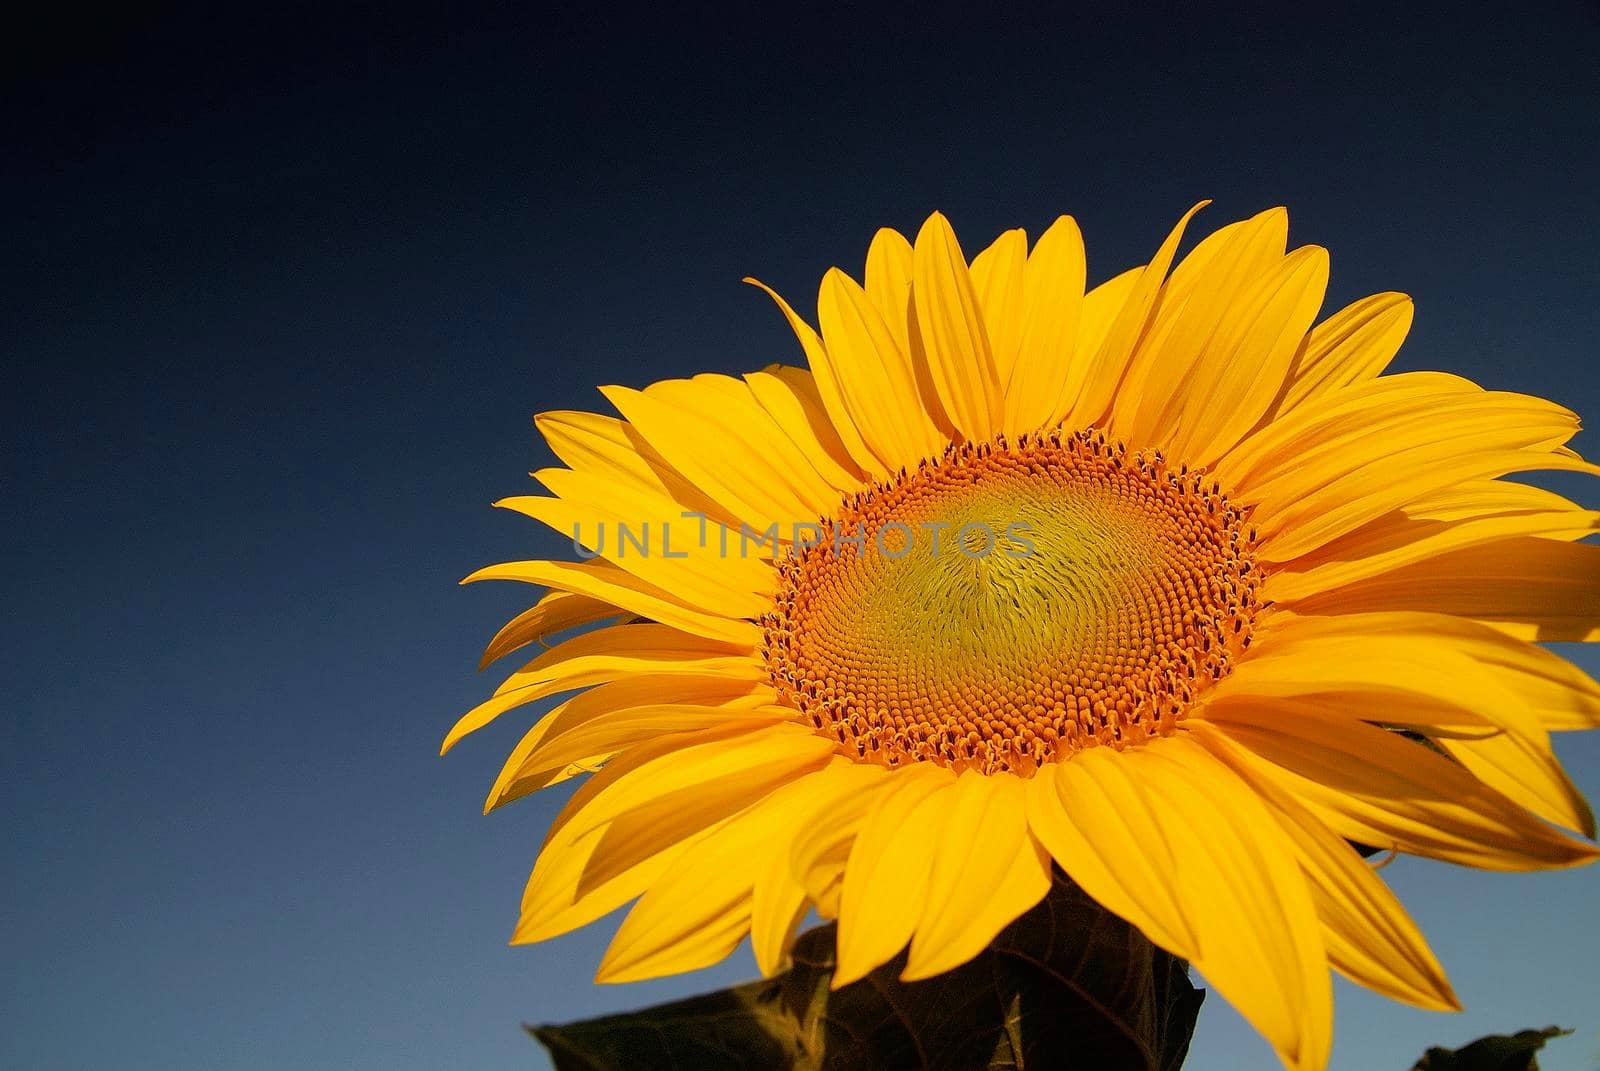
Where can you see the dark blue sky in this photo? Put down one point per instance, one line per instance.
(282, 293)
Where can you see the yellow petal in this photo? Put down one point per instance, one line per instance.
(986, 871)
(1506, 682)
(555, 612)
(778, 904)
(1353, 345)
(1386, 790)
(1398, 657)
(1483, 511)
(604, 655)
(1247, 900)
(1332, 420)
(790, 395)
(876, 376)
(949, 329)
(567, 744)
(1238, 375)
(826, 377)
(1049, 365)
(1481, 498)
(801, 863)
(1101, 828)
(785, 420)
(1370, 937)
(623, 590)
(1196, 319)
(649, 800)
(1163, 839)
(657, 782)
(730, 881)
(1529, 587)
(1102, 308)
(608, 447)
(698, 424)
(567, 888)
(513, 783)
(1220, 265)
(526, 770)
(1365, 461)
(997, 279)
(888, 283)
(552, 906)
(1527, 773)
(822, 846)
(694, 913)
(1110, 361)
(655, 542)
(886, 877)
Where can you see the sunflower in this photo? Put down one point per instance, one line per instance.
(1164, 584)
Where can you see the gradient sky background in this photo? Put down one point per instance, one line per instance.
(281, 295)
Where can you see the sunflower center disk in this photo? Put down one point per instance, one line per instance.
(1005, 605)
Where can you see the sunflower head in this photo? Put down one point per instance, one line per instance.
(1133, 582)
(1116, 588)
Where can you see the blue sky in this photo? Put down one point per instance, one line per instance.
(282, 296)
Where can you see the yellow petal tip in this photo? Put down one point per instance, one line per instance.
(611, 972)
(839, 981)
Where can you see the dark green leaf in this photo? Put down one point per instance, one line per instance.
(1066, 986)
(1500, 1052)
